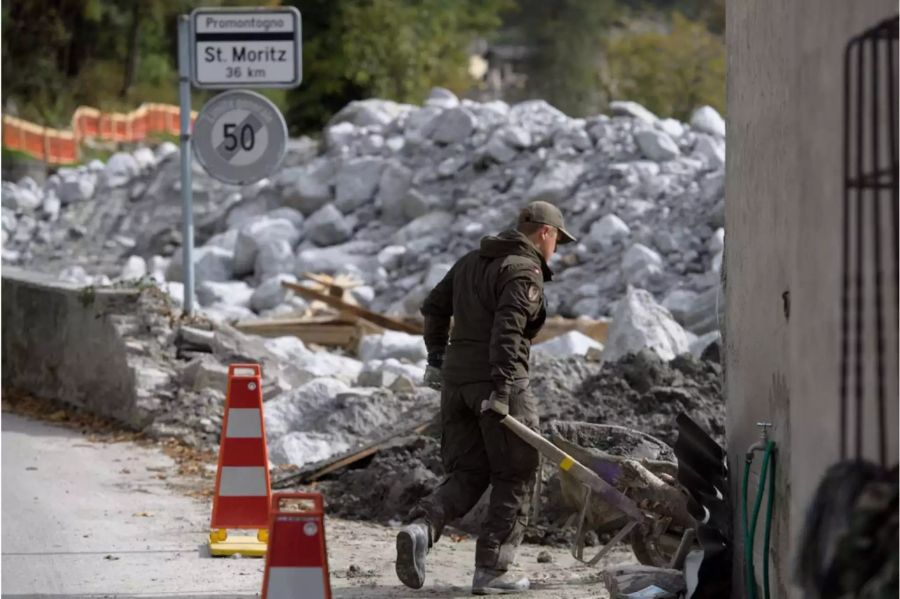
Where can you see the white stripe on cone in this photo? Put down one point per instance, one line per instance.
(308, 583)
(243, 481)
(243, 423)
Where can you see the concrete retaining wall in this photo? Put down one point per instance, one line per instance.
(64, 342)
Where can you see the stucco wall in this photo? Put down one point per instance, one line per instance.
(783, 228)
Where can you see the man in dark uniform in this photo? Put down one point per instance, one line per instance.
(496, 296)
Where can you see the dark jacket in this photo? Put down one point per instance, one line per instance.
(496, 298)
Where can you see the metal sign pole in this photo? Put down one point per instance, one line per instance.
(187, 211)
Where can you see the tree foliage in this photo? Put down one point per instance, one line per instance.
(670, 72)
(396, 49)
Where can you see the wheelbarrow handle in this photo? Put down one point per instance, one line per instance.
(567, 463)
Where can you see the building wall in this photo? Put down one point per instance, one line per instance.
(783, 230)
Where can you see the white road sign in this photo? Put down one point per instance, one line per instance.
(246, 47)
(240, 137)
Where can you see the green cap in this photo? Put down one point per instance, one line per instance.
(546, 213)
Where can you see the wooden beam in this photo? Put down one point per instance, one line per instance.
(373, 317)
(309, 475)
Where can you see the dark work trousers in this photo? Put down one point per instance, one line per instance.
(476, 451)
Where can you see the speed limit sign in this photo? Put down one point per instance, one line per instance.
(240, 137)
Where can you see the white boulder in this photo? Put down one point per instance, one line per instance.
(307, 188)
(135, 268)
(357, 181)
(656, 145)
(261, 231)
(120, 169)
(451, 126)
(555, 182)
(573, 343)
(270, 294)
(639, 323)
(640, 264)
(327, 226)
(392, 344)
(708, 120)
(632, 109)
(233, 293)
(608, 230)
(211, 263)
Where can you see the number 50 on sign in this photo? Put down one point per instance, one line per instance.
(240, 137)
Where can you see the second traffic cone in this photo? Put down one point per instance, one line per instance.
(297, 562)
(243, 493)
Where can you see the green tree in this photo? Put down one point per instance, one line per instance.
(565, 40)
(672, 72)
(392, 49)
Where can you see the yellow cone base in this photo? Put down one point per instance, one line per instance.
(221, 544)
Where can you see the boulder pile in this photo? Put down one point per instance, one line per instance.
(392, 195)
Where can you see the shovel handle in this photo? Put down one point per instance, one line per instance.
(567, 463)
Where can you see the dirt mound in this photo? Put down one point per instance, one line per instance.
(639, 391)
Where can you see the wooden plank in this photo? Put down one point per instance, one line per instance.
(347, 459)
(556, 326)
(332, 334)
(373, 317)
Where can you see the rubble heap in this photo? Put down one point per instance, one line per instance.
(393, 195)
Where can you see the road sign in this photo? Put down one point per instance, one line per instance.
(240, 137)
(252, 47)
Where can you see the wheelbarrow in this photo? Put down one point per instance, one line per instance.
(635, 497)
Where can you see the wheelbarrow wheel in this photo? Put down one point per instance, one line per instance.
(649, 551)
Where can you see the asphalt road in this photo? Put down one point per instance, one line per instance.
(93, 519)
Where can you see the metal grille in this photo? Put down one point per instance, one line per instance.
(869, 301)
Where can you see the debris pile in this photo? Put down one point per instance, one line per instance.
(640, 391)
(392, 196)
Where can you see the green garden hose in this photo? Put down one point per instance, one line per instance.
(750, 526)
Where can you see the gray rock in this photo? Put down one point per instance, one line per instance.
(374, 113)
(76, 189)
(607, 231)
(656, 145)
(164, 150)
(233, 293)
(640, 323)
(537, 117)
(632, 109)
(672, 127)
(452, 165)
(716, 243)
(706, 119)
(640, 264)
(440, 97)
(19, 198)
(680, 302)
(573, 343)
(392, 344)
(349, 258)
(271, 294)
(392, 189)
(391, 256)
(434, 275)
(51, 206)
(327, 226)
(76, 275)
(710, 150)
(226, 240)
(309, 187)
(556, 182)
(357, 182)
(145, 159)
(264, 230)
(452, 126)
(423, 226)
(291, 214)
(274, 258)
(135, 268)
(701, 343)
(120, 169)
(211, 263)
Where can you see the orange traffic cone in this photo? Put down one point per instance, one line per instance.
(243, 495)
(297, 563)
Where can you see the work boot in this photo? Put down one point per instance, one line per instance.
(413, 543)
(498, 582)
